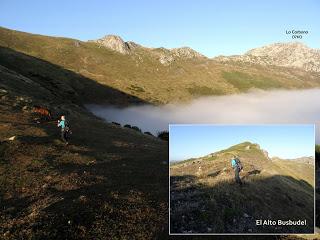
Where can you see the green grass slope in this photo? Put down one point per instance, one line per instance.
(142, 75)
(204, 197)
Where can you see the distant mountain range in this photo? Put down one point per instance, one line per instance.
(306, 160)
(160, 75)
(291, 54)
(294, 55)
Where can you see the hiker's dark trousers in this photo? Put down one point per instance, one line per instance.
(64, 136)
(237, 175)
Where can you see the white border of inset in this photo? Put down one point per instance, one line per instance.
(250, 234)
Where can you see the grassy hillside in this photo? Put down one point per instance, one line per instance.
(142, 75)
(204, 197)
(94, 188)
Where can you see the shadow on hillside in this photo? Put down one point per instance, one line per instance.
(108, 183)
(56, 84)
(229, 208)
(36, 140)
(113, 197)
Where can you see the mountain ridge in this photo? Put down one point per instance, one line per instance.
(116, 43)
(284, 54)
(155, 75)
(290, 54)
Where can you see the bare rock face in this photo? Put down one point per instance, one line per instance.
(266, 154)
(166, 59)
(163, 55)
(293, 55)
(133, 45)
(186, 52)
(167, 56)
(115, 43)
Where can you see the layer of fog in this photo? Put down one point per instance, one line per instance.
(257, 107)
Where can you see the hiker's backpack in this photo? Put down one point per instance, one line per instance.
(67, 126)
(239, 165)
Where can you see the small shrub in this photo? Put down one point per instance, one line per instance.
(164, 135)
(127, 126)
(136, 128)
(115, 123)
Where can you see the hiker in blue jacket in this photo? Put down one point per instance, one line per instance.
(64, 129)
(237, 167)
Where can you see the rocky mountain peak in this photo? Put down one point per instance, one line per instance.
(282, 52)
(273, 50)
(165, 56)
(291, 54)
(115, 43)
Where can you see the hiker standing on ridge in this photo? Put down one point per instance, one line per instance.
(64, 129)
(237, 167)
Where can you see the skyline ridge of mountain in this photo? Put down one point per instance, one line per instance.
(247, 52)
(154, 75)
(286, 54)
(155, 47)
(247, 145)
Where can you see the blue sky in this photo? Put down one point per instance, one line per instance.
(210, 27)
(285, 141)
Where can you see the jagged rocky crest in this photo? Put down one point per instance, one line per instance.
(165, 56)
(115, 43)
(293, 54)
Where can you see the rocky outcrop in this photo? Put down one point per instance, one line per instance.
(167, 56)
(166, 59)
(294, 55)
(133, 45)
(186, 52)
(115, 43)
(163, 55)
(266, 154)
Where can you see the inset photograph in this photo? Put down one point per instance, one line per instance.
(252, 179)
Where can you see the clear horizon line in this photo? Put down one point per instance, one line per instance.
(153, 47)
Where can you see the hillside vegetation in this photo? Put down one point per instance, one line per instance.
(204, 197)
(109, 183)
(155, 75)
